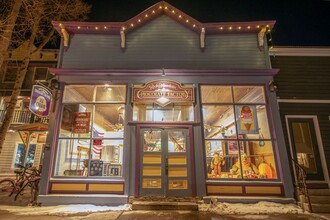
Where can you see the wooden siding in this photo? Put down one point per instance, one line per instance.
(163, 43)
(8, 152)
(322, 111)
(302, 77)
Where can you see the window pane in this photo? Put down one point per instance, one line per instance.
(109, 121)
(169, 113)
(216, 94)
(78, 93)
(70, 123)
(176, 141)
(218, 121)
(304, 146)
(249, 94)
(114, 93)
(72, 157)
(106, 158)
(152, 141)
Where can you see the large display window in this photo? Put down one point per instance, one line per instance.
(238, 143)
(91, 134)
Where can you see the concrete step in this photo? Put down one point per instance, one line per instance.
(319, 192)
(315, 199)
(318, 208)
(158, 205)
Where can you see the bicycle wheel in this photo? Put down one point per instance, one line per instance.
(7, 187)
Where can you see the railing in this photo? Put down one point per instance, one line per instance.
(300, 183)
(23, 117)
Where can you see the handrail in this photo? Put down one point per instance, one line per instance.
(300, 182)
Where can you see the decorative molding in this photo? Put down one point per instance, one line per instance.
(202, 38)
(66, 37)
(122, 39)
(261, 37)
(321, 101)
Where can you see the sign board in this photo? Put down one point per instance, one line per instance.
(81, 122)
(40, 101)
(163, 92)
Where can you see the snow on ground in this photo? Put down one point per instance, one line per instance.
(261, 209)
(62, 210)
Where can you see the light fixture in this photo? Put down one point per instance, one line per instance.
(273, 87)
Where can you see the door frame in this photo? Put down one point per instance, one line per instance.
(189, 127)
(319, 144)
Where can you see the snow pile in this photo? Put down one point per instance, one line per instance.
(62, 209)
(260, 208)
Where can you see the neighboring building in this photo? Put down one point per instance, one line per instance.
(24, 125)
(163, 105)
(304, 102)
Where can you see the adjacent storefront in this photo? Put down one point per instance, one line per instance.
(193, 128)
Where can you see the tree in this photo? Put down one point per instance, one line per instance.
(33, 24)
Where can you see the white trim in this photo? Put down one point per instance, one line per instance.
(319, 143)
(304, 101)
(300, 51)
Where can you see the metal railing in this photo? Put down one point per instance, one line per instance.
(23, 117)
(300, 183)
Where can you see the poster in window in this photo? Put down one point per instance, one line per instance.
(233, 145)
(67, 116)
(247, 122)
(81, 122)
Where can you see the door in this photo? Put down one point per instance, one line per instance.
(305, 148)
(165, 162)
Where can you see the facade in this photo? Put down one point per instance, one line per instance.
(27, 135)
(163, 105)
(303, 96)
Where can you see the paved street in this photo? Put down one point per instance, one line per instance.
(159, 215)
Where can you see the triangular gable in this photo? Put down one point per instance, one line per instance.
(158, 9)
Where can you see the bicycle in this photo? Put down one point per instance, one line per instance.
(25, 177)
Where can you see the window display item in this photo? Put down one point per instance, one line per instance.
(216, 164)
(249, 170)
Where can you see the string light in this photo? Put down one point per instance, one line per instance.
(146, 15)
(78, 27)
(187, 21)
(194, 25)
(132, 25)
(258, 26)
(248, 27)
(153, 11)
(173, 11)
(221, 28)
(239, 28)
(180, 16)
(105, 27)
(139, 20)
(230, 28)
(96, 28)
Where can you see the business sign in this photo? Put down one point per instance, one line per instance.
(163, 92)
(40, 101)
(81, 122)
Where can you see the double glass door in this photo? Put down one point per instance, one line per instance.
(165, 162)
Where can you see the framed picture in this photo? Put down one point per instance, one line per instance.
(233, 145)
(41, 138)
(247, 121)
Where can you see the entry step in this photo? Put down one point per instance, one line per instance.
(161, 205)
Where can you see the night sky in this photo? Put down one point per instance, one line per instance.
(298, 22)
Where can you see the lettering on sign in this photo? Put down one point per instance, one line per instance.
(163, 92)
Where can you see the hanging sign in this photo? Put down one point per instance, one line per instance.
(40, 101)
(163, 92)
(81, 122)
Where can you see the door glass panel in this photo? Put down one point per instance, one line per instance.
(152, 171)
(151, 183)
(176, 141)
(178, 184)
(304, 146)
(152, 141)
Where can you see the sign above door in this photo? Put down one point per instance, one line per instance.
(163, 92)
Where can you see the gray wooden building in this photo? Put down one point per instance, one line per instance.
(164, 105)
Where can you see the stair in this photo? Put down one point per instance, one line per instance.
(320, 200)
(164, 203)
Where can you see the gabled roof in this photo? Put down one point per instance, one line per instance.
(158, 9)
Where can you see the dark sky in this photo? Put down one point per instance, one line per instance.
(298, 22)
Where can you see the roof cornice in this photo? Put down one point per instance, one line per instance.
(156, 10)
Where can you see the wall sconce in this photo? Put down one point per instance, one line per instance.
(273, 87)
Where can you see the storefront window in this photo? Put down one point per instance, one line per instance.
(91, 133)
(238, 143)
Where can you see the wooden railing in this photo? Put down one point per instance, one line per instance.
(23, 117)
(300, 183)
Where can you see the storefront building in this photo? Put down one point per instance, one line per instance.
(163, 105)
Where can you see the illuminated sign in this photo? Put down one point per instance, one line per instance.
(40, 102)
(163, 92)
